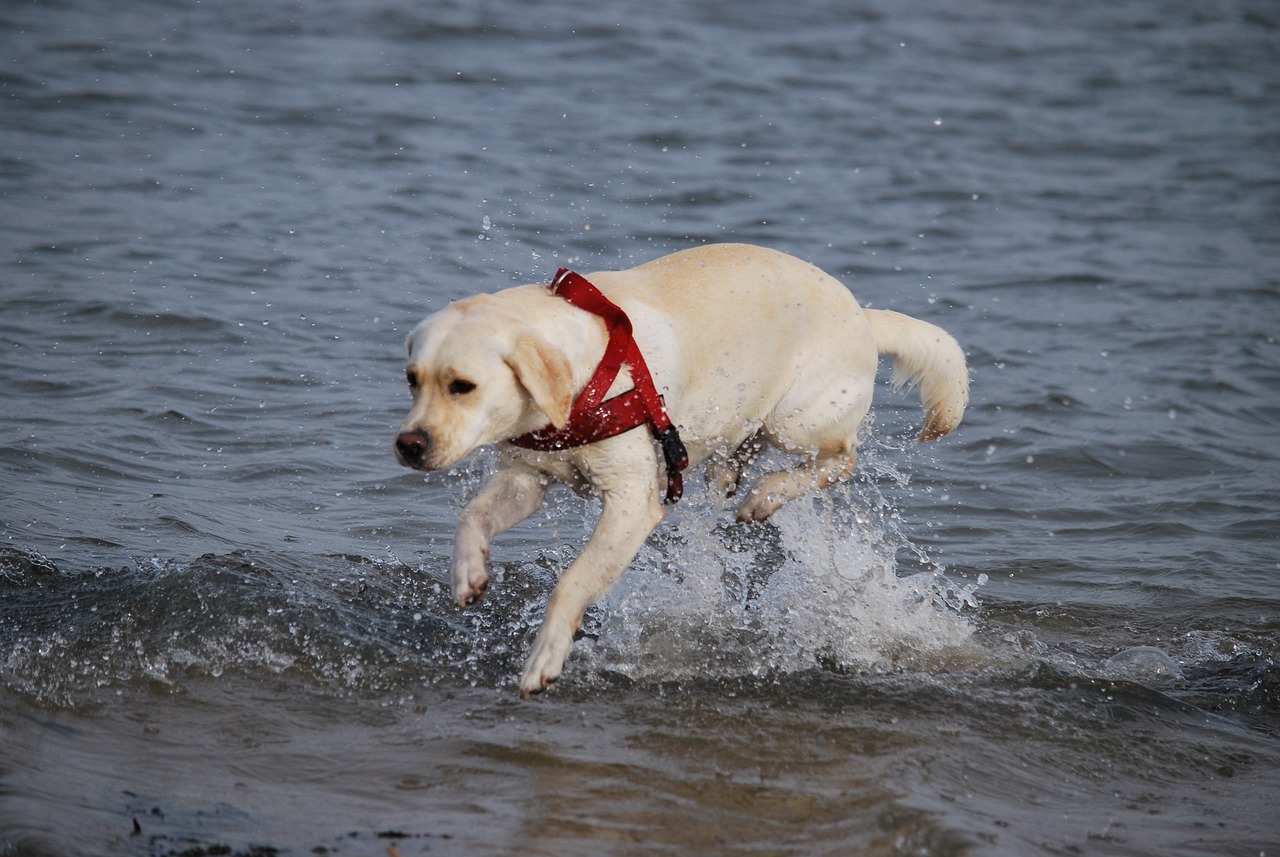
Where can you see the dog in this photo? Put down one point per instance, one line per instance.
(739, 346)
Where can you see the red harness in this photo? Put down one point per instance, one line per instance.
(591, 419)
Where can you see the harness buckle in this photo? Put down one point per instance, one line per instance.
(673, 449)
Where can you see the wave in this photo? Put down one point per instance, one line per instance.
(819, 588)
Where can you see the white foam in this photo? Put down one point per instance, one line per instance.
(817, 585)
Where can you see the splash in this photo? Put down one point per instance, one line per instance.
(1142, 664)
(817, 586)
(359, 626)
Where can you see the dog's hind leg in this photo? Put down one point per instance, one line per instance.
(829, 467)
(822, 422)
(724, 472)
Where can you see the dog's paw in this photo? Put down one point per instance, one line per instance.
(723, 477)
(469, 577)
(546, 663)
(758, 506)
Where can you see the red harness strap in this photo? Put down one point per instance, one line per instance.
(591, 419)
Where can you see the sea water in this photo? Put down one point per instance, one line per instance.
(225, 624)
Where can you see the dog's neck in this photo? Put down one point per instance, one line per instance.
(583, 337)
(599, 411)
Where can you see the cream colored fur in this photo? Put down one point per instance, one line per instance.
(748, 346)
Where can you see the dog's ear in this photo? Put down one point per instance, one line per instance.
(544, 371)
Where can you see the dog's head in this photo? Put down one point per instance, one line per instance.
(479, 374)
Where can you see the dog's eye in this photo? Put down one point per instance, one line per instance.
(460, 387)
(412, 378)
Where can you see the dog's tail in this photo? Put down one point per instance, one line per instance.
(927, 355)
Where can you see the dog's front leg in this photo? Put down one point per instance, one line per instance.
(628, 516)
(511, 495)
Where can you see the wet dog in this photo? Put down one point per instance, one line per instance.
(746, 346)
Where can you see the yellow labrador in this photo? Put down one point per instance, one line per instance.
(746, 345)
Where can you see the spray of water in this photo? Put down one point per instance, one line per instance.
(818, 586)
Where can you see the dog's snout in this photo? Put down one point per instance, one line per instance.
(412, 446)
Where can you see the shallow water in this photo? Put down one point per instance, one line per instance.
(223, 618)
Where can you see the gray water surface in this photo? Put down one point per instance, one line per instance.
(224, 618)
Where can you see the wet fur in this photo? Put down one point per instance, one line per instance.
(749, 346)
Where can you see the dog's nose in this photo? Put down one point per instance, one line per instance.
(411, 446)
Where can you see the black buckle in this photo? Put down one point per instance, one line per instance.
(673, 449)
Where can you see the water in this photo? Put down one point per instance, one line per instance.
(223, 620)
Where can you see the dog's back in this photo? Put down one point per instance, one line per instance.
(745, 337)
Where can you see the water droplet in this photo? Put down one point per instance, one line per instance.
(1141, 662)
